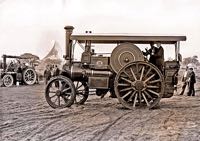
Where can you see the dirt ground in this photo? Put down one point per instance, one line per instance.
(25, 115)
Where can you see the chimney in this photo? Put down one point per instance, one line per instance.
(69, 30)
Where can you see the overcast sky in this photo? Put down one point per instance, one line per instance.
(31, 25)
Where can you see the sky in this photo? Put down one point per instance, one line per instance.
(31, 25)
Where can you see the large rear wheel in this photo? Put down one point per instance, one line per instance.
(60, 92)
(29, 76)
(139, 84)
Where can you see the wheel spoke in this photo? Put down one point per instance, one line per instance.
(129, 81)
(126, 89)
(128, 93)
(122, 84)
(133, 74)
(137, 69)
(154, 81)
(153, 87)
(133, 94)
(65, 99)
(126, 73)
(58, 100)
(80, 92)
(153, 92)
(135, 99)
(148, 95)
(60, 85)
(148, 72)
(68, 94)
(75, 100)
(52, 92)
(142, 73)
(140, 97)
(77, 85)
(145, 99)
(64, 90)
(52, 96)
(149, 78)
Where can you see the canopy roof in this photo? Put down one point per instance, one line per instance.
(119, 38)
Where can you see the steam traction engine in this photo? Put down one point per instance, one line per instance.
(125, 73)
(17, 72)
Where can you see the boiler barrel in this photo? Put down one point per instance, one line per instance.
(77, 72)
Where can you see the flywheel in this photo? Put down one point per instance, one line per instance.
(124, 54)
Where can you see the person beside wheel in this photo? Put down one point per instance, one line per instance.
(184, 80)
(191, 81)
(19, 73)
(47, 74)
(56, 72)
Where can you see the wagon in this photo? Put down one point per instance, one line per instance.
(14, 73)
(126, 72)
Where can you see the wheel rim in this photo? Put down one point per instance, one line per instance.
(60, 92)
(139, 84)
(29, 76)
(82, 92)
(8, 80)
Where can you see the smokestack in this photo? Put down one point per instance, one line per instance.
(4, 62)
(69, 30)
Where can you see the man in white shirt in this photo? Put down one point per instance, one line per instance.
(184, 80)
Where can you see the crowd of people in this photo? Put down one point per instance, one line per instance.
(50, 71)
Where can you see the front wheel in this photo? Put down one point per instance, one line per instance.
(8, 80)
(139, 84)
(60, 92)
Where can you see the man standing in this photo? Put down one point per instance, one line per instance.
(56, 73)
(191, 82)
(47, 74)
(157, 56)
(184, 80)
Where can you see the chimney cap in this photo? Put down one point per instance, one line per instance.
(68, 27)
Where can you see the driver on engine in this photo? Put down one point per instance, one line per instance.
(156, 55)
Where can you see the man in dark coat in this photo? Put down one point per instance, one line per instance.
(191, 82)
(157, 55)
(47, 74)
(56, 73)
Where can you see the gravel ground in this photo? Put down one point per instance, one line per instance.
(25, 115)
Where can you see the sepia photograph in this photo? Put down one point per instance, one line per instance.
(99, 70)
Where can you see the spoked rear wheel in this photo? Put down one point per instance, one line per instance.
(139, 84)
(82, 92)
(60, 92)
(29, 76)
